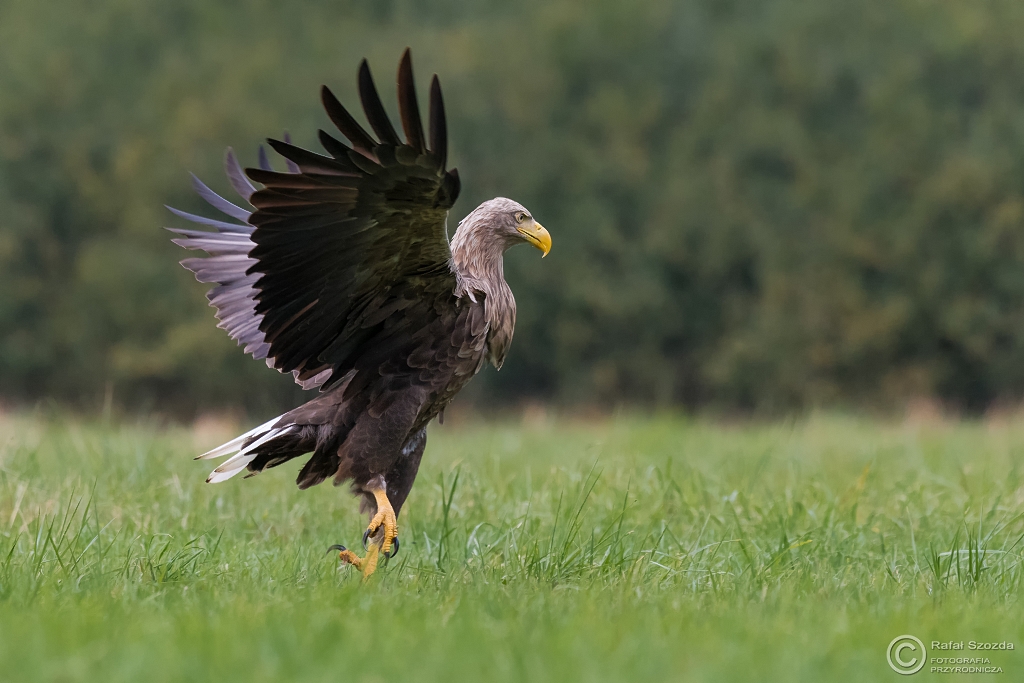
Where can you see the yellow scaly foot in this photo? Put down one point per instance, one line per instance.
(385, 518)
(383, 533)
(367, 565)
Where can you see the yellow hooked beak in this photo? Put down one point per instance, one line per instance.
(536, 235)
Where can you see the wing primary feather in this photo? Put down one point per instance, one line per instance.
(220, 225)
(236, 176)
(264, 162)
(214, 246)
(200, 234)
(305, 161)
(335, 147)
(292, 166)
(438, 124)
(373, 108)
(360, 139)
(218, 202)
(408, 108)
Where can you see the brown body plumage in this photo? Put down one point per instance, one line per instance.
(342, 275)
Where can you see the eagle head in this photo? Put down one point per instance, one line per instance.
(496, 225)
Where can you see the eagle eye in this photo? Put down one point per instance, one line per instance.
(520, 217)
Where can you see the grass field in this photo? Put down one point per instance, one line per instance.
(625, 550)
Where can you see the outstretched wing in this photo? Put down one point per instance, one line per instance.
(344, 254)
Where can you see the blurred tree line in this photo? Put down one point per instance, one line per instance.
(756, 205)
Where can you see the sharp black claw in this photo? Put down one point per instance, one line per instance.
(366, 536)
(339, 548)
(394, 548)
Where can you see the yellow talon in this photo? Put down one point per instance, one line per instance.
(349, 557)
(383, 532)
(385, 517)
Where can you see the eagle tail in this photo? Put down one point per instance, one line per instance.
(270, 436)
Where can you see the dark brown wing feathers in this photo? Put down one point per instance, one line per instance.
(408, 108)
(359, 138)
(341, 275)
(354, 237)
(438, 124)
(374, 109)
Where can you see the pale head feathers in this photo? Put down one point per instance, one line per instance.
(477, 249)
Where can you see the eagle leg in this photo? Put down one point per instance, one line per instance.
(382, 530)
(384, 519)
(367, 565)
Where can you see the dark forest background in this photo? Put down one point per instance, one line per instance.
(755, 206)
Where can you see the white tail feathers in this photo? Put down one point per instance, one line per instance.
(242, 456)
(236, 443)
